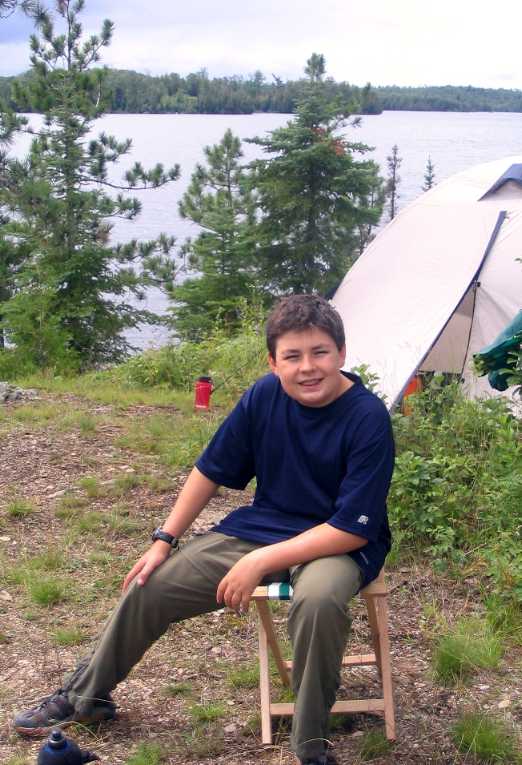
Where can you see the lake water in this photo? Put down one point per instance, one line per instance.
(455, 141)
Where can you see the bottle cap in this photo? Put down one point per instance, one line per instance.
(57, 740)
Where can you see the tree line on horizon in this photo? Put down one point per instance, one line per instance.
(132, 92)
(135, 93)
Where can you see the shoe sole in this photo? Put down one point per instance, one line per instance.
(44, 730)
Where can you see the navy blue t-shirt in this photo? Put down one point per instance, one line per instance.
(313, 465)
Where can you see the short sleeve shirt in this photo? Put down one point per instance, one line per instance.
(312, 465)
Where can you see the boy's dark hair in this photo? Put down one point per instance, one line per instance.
(299, 312)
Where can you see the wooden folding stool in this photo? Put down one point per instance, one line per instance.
(375, 596)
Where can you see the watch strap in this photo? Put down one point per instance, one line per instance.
(164, 536)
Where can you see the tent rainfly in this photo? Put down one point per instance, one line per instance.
(439, 282)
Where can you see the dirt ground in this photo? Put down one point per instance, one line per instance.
(194, 663)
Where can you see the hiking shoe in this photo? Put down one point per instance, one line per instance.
(56, 711)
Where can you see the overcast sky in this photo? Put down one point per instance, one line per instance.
(403, 42)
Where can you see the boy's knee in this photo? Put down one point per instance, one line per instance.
(317, 605)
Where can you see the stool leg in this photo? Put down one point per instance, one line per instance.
(264, 680)
(373, 619)
(266, 617)
(384, 653)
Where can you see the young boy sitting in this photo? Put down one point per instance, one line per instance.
(321, 449)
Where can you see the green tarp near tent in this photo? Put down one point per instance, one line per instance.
(495, 360)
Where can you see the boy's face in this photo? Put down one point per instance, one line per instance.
(307, 364)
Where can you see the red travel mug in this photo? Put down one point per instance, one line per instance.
(204, 388)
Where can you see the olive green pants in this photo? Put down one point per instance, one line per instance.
(185, 586)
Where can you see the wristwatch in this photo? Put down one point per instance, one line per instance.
(164, 536)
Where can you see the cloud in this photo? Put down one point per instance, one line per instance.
(405, 43)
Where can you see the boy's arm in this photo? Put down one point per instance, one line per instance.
(237, 586)
(194, 496)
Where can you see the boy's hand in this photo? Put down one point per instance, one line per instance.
(236, 588)
(154, 557)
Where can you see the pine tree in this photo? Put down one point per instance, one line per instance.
(69, 294)
(429, 175)
(313, 194)
(393, 162)
(220, 203)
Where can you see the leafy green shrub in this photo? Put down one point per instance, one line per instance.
(471, 646)
(234, 363)
(176, 366)
(489, 739)
(457, 487)
(14, 364)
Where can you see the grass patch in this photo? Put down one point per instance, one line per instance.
(204, 713)
(244, 677)
(20, 508)
(123, 526)
(505, 618)
(158, 484)
(69, 506)
(46, 592)
(88, 522)
(205, 741)
(147, 754)
(489, 739)
(472, 645)
(82, 421)
(67, 637)
(49, 560)
(252, 727)
(101, 558)
(285, 695)
(177, 440)
(18, 759)
(177, 689)
(31, 569)
(126, 482)
(374, 744)
(92, 487)
(37, 413)
(103, 387)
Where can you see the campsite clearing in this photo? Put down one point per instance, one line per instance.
(92, 490)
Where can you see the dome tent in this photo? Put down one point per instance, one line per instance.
(439, 282)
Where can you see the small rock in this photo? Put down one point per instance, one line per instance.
(504, 703)
(231, 703)
(230, 728)
(57, 494)
(5, 539)
(357, 734)
(4, 595)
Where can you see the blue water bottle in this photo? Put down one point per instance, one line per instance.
(59, 750)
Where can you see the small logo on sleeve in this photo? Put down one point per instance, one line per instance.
(362, 519)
